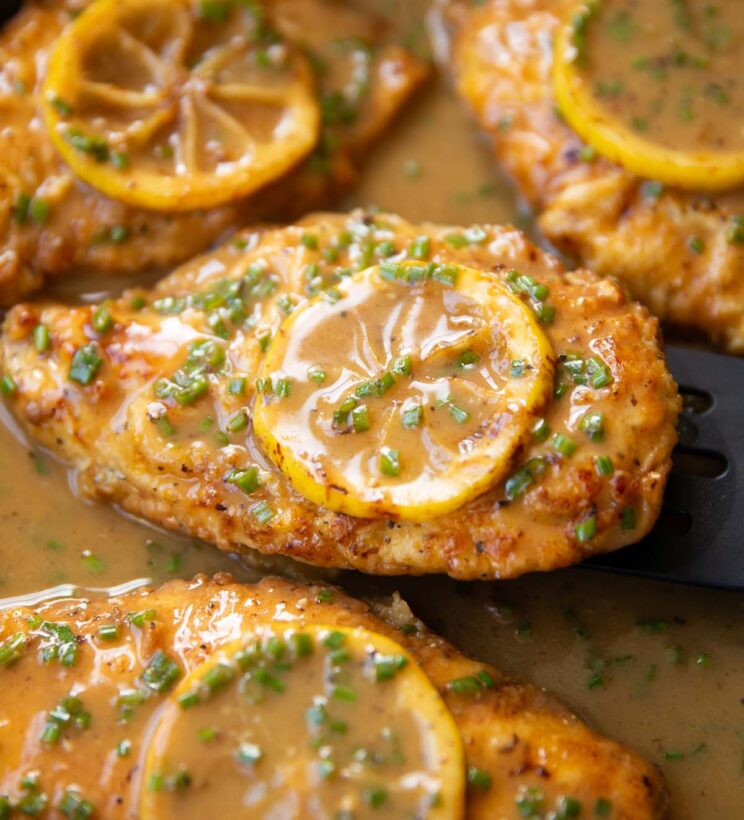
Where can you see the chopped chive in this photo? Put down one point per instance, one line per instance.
(696, 244)
(8, 385)
(302, 644)
(599, 373)
(375, 797)
(42, 338)
(246, 480)
(459, 414)
(360, 419)
(467, 360)
(517, 483)
(735, 232)
(75, 806)
(237, 386)
(402, 365)
(324, 596)
(334, 639)
(519, 368)
(85, 365)
(218, 677)
(628, 519)
(603, 465)
(568, 807)
(603, 807)
(11, 649)
(317, 374)
(309, 240)
(264, 385)
(479, 779)
(118, 234)
(124, 748)
(108, 632)
(344, 693)
(262, 512)
(188, 699)
(586, 530)
(467, 685)
(412, 416)
(283, 388)
(420, 248)
(564, 445)
(545, 313)
(540, 430)
(144, 616)
(165, 426)
(265, 678)
(161, 673)
(593, 425)
(341, 415)
(38, 210)
(652, 190)
(102, 320)
(446, 274)
(238, 422)
(674, 755)
(389, 462)
(388, 666)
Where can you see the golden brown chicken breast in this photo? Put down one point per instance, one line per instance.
(175, 701)
(360, 392)
(141, 120)
(681, 252)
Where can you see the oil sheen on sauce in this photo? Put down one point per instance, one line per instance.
(658, 667)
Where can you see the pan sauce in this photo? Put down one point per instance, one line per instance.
(669, 70)
(658, 667)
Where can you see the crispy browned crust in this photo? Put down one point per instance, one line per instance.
(500, 55)
(70, 240)
(104, 429)
(522, 737)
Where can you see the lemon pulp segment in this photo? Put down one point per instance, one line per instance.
(305, 721)
(159, 105)
(406, 394)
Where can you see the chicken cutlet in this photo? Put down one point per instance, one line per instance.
(52, 223)
(464, 406)
(93, 688)
(679, 251)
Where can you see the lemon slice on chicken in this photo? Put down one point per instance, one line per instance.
(612, 75)
(406, 393)
(305, 721)
(174, 105)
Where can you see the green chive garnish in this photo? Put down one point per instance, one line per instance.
(85, 364)
(586, 530)
(246, 480)
(389, 462)
(42, 338)
(479, 779)
(564, 445)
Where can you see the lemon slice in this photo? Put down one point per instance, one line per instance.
(408, 395)
(304, 722)
(586, 102)
(173, 105)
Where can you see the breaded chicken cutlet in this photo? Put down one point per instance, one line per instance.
(359, 392)
(142, 666)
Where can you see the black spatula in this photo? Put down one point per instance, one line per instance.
(699, 538)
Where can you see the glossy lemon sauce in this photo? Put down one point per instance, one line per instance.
(656, 666)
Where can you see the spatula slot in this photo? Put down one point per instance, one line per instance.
(673, 523)
(697, 462)
(695, 400)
